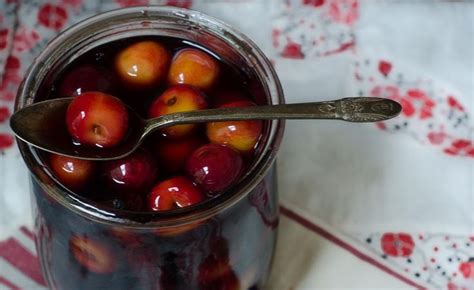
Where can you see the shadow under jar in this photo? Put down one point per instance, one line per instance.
(226, 242)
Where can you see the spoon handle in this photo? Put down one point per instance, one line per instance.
(362, 109)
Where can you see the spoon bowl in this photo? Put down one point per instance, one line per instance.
(42, 124)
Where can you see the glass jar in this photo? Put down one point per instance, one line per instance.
(224, 243)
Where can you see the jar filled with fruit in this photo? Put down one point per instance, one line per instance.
(195, 206)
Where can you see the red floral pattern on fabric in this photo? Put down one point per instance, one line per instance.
(13, 63)
(25, 39)
(3, 38)
(314, 3)
(344, 11)
(442, 261)
(452, 286)
(11, 79)
(129, 3)
(4, 114)
(397, 245)
(6, 141)
(431, 113)
(325, 28)
(460, 147)
(436, 138)
(415, 102)
(7, 25)
(453, 103)
(179, 3)
(292, 50)
(314, 28)
(52, 16)
(385, 67)
(467, 269)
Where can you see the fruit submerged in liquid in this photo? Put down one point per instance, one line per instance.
(155, 76)
(97, 119)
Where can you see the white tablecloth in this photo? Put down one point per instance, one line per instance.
(366, 205)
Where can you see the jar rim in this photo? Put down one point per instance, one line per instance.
(205, 210)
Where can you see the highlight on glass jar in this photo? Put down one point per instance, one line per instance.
(172, 214)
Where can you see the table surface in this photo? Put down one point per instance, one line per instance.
(386, 206)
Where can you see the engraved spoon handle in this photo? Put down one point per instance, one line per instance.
(362, 109)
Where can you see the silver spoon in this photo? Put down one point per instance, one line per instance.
(41, 124)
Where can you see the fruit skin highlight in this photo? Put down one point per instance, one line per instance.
(240, 135)
(143, 64)
(73, 173)
(97, 119)
(175, 192)
(133, 174)
(179, 98)
(193, 67)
